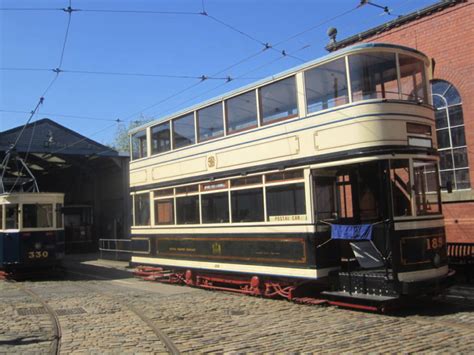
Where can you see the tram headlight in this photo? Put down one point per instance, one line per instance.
(437, 260)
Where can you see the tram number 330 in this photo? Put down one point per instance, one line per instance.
(37, 254)
(434, 243)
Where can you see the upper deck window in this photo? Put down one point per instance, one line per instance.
(37, 215)
(373, 75)
(139, 149)
(412, 79)
(241, 112)
(183, 131)
(326, 86)
(160, 138)
(210, 122)
(278, 100)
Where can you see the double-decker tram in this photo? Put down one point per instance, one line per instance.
(324, 177)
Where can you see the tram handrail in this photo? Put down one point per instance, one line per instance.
(107, 245)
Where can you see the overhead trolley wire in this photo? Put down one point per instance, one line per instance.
(247, 58)
(65, 116)
(51, 83)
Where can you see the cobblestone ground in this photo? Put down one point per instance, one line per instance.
(198, 321)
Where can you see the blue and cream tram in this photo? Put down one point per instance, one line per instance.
(31, 231)
(325, 173)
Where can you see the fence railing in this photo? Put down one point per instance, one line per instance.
(115, 249)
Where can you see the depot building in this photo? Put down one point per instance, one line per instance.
(93, 177)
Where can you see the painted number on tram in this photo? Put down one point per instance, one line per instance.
(38, 254)
(434, 243)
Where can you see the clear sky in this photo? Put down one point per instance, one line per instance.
(182, 43)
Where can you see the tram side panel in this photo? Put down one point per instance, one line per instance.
(294, 255)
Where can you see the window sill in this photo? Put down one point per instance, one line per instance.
(457, 196)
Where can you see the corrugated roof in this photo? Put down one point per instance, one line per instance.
(47, 136)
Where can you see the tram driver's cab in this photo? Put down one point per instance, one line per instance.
(398, 200)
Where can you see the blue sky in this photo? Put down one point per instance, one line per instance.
(164, 44)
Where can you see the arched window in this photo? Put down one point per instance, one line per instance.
(452, 146)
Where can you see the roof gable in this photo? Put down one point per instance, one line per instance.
(47, 136)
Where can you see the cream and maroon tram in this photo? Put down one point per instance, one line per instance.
(327, 173)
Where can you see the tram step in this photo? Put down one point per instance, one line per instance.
(358, 296)
(365, 283)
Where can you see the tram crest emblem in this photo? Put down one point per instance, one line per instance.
(216, 249)
(211, 162)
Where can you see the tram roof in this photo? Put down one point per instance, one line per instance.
(275, 77)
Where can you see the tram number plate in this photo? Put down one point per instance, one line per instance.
(38, 254)
(434, 243)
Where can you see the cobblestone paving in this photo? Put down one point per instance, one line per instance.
(203, 321)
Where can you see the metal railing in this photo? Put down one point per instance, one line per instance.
(115, 249)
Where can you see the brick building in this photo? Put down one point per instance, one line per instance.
(443, 31)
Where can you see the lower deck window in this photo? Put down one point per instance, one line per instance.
(401, 187)
(215, 208)
(37, 215)
(164, 211)
(426, 184)
(285, 200)
(187, 210)
(142, 209)
(247, 205)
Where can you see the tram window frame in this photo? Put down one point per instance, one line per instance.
(180, 208)
(34, 215)
(362, 63)
(137, 211)
(241, 196)
(218, 214)
(1, 217)
(15, 216)
(425, 198)
(410, 67)
(177, 127)
(169, 203)
(234, 118)
(138, 145)
(320, 77)
(161, 138)
(405, 208)
(206, 114)
(299, 209)
(265, 95)
(59, 215)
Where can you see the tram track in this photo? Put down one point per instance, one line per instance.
(167, 342)
(57, 332)
(55, 346)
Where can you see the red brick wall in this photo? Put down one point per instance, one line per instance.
(448, 37)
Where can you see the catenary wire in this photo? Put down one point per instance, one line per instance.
(64, 115)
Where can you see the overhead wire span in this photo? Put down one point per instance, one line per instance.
(247, 58)
(92, 72)
(64, 115)
(57, 71)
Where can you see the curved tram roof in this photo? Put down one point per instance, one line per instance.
(276, 77)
